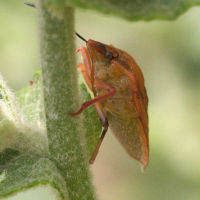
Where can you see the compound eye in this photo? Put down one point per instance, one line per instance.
(108, 55)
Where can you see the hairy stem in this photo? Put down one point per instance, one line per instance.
(60, 89)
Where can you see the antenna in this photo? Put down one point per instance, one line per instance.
(30, 4)
(81, 37)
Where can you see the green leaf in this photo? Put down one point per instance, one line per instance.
(22, 147)
(18, 172)
(138, 9)
(15, 130)
(8, 106)
(23, 142)
(91, 122)
(30, 101)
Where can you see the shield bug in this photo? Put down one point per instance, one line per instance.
(120, 97)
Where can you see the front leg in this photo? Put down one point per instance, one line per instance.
(86, 72)
(112, 91)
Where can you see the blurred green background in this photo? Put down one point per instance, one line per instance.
(168, 53)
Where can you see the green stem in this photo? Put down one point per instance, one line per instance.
(60, 89)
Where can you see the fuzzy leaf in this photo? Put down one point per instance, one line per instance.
(15, 131)
(22, 148)
(24, 161)
(18, 171)
(138, 9)
(30, 101)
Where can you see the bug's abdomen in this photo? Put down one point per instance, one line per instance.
(129, 136)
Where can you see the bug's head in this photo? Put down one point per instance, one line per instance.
(101, 52)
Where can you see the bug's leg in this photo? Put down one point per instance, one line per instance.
(86, 69)
(98, 108)
(112, 91)
(86, 59)
(104, 122)
(88, 66)
(100, 113)
(85, 75)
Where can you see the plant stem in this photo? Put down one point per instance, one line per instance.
(60, 89)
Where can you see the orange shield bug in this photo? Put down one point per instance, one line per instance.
(120, 97)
